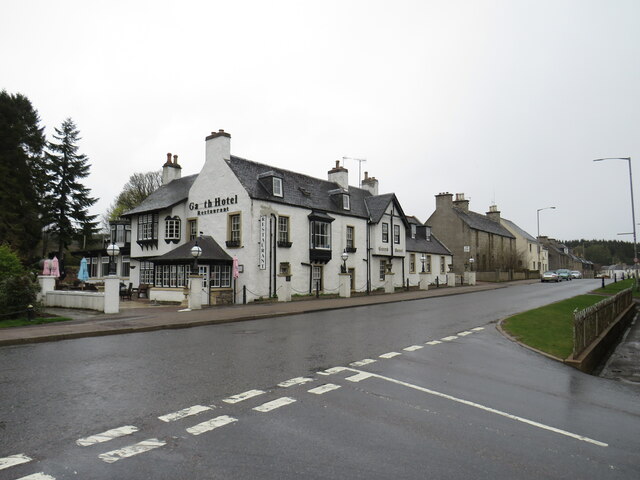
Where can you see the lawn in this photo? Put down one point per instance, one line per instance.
(21, 322)
(549, 328)
(613, 288)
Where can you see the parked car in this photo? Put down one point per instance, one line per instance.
(550, 276)
(564, 274)
(576, 274)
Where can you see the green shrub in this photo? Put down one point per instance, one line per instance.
(16, 294)
(9, 263)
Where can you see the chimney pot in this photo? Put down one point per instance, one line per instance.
(337, 163)
(366, 175)
(175, 159)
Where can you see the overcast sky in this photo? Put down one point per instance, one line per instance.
(507, 101)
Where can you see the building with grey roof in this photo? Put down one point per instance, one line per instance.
(275, 223)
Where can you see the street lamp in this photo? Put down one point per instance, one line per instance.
(112, 250)
(196, 251)
(471, 260)
(344, 257)
(633, 212)
(423, 258)
(538, 214)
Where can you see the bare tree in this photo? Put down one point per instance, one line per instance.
(139, 187)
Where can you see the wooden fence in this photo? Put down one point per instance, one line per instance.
(589, 323)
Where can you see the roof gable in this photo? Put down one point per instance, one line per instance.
(481, 222)
(166, 196)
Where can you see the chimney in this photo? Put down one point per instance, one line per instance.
(339, 175)
(461, 203)
(370, 184)
(493, 213)
(171, 170)
(217, 152)
(444, 200)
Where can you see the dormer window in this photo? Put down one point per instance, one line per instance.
(413, 230)
(277, 187)
(346, 202)
(427, 232)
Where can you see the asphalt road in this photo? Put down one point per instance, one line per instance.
(473, 406)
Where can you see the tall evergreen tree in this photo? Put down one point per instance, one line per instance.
(23, 182)
(68, 199)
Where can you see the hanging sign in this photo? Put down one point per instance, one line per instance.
(263, 243)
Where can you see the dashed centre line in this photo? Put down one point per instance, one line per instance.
(477, 329)
(331, 371)
(211, 425)
(243, 396)
(390, 355)
(324, 388)
(106, 436)
(464, 334)
(185, 412)
(295, 381)
(359, 377)
(138, 448)
(449, 338)
(13, 460)
(362, 363)
(413, 348)
(434, 342)
(280, 402)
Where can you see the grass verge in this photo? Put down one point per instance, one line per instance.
(613, 288)
(549, 328)
(21, 322)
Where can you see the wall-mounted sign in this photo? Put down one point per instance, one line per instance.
(263, 243)
(217, 205)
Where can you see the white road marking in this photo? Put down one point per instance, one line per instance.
(185, 412)
(13, 460)
(359, 377)
(448, 339)
(211, 424)
(464, 334)
(434, 342)
(390, 355)
(243, 396)
(477, 329)
(280, 402)
(413, 348)
(362, 363)
(487, 409)
(106, 436)
(331, 371)
(38, 476)
(324, 388)
(295, 381)
(132, 450)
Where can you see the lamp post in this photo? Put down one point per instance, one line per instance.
(538, 214)
(196, 251)
(633, 212)
(423, 258)
(112, 250)
(344, 257)
(471, 260)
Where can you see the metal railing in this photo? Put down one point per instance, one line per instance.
(589, 323)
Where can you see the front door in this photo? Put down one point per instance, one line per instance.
(203, 270)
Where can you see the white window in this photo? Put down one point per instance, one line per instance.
(320, 235)
(221, 276)
(396, 234)
(412, 263)
(428, 233)
(442, 264)
(413, 230)
(385, 233)
(146, 273)
(172, 228)
(316, 277)
(105, 266)
(234, 228)
(126, 261)
(277, 187)
(147, 226)
(283, 229)
(383, 269)
(428, 264)
(193, 228)
(346, 203)
(349, 237)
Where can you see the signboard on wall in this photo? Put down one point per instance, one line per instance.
(263, 243)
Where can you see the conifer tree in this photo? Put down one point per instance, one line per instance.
(68, 199)
(23, 182)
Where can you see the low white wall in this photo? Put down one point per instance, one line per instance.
(166, 294)
(66, 299)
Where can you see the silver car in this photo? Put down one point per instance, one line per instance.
(550, 276)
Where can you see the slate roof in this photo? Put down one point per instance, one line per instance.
(211, 252)
(520, 231)
(377, 205)
(166, 196)
(481, 222)
(298, 189)
(422, 245)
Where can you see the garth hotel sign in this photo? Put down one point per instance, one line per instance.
(218, 205)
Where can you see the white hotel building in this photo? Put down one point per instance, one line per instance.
(276, 223)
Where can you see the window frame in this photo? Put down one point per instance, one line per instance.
(172, 228)
(315, 235)
(385, 232)
(383, 269)
(412, 263)
(192, 228)
(283, 220)
(350, 242)
(396, 234)
(277, 186)
(234, 235)
(346, 202)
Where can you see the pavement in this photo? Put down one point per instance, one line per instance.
(143, 316)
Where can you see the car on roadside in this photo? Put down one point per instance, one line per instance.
(564, 274)
(550, 276)
(576, 274)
